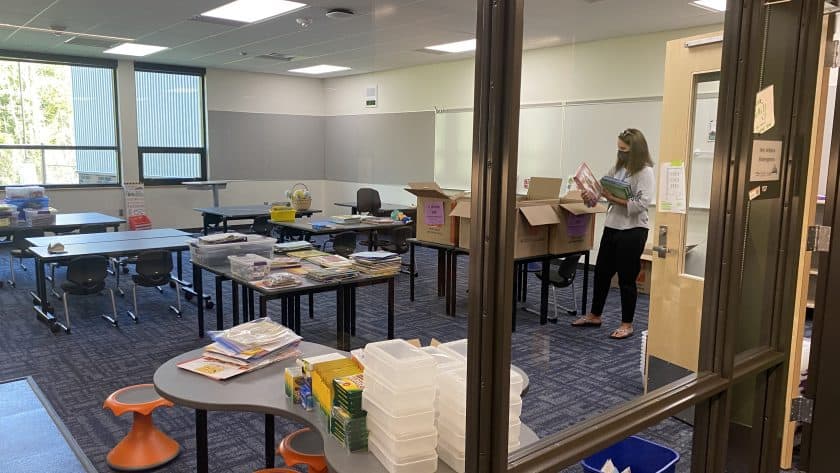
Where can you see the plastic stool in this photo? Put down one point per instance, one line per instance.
(144, 447)
(304, 447)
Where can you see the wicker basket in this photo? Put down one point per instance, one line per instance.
(300, 203)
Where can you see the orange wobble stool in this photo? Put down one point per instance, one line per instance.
(145, 447)
(304, 447)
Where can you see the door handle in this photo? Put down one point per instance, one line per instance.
(662, 248)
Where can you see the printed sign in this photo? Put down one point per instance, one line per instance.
(433, 213)
(765, 111)
(672, 187)
(577, 225)
(766, 161)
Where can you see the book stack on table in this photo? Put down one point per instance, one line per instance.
(290, 246)
(377, 263)
(332, 274)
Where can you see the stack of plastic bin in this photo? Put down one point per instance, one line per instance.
(399, 397)
(446, 361)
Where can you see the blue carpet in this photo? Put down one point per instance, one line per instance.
(31, 439)
(575, 373)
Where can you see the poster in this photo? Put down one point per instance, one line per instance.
(765, 110)
(434, 213)
(672, 187)
(766, 161)
(135, 201)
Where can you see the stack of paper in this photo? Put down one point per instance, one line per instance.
(331, 274)
(346, 219)
(292, 246)
(279, 281)
(306, 254)
(244, 348)
(331, 261)
(282, 262)
(377, 220)
(219, 238)
(376, 263)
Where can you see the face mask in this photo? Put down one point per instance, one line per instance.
(623, 155)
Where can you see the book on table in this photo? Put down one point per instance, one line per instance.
(330, 261)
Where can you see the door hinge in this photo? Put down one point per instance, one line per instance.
(802, 410)
(831, 50)
(819, 238)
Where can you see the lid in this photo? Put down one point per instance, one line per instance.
(428, 189)
(462, 209)
(398, 351)
(544, 188)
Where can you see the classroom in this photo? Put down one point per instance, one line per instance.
(417, 236)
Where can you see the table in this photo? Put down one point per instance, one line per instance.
(69, 222)
(306, 228)
(447, 276)
(384, 207)
(262, 391)
(108, 249)
(74, 239)
(216, 215)
(290, 297)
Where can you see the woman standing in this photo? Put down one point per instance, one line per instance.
(625, 232)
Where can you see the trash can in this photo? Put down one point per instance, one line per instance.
(642, 456)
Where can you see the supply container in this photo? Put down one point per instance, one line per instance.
(640, 455)
(25, 192)
(454, 425)
(398, 426)
(456, 348)
(448, 455)
(419, 464)
(459, 405)
(300, 196)
(39, 217)
(250, 267)
(445, 360)
(401, 363)
(400, 402)
(217, 255)
(455, 382)
(8, 215)
(282, 213)
(401, 447)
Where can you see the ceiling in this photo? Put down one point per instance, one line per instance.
(383, 34)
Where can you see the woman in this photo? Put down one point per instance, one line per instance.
(625, 232)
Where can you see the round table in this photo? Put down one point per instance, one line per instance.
(263, 391)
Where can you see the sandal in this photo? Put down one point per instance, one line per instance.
(621, 333)
(586, 322)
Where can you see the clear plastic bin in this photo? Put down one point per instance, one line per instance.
(456, 422)
(250, 267)
(38, 217)
(25, 192)
(403, 447)
(401, 363)
(400, 402)
(445, 360)
(421, 464)
(455, 381)
(217, 255)
(456, 348)
(398, 426)
(8, 215)
(448, 455)
(460, 405)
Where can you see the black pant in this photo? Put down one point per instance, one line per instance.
(619, 252)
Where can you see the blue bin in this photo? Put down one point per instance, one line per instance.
(640, 455)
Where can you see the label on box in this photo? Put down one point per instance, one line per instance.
(577, 225)
(434, 213)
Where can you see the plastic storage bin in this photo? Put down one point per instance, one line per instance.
(642, 456)
(401, 363)
(455, 382)
(8, 215)
(39, 217)
(217, 255)
(398, 426)
(459, 406)
(250, 267)
(400, 402)
(454, 426)
(25, 192)
(403, 447)
(282, 214)
(457, 348)
(445, 360)
(421, 464)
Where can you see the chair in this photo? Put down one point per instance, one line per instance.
(19, 249)
(261, 226)
(564, 276)
(154, 269)
(144, 447)
(85, 277)
(368, 201)
(304, 447)
(343, 244)
(86, 230)
(396, 241)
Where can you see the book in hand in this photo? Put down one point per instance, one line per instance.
(616, 187)
(586, 180)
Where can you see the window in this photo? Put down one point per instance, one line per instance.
(58, 122)
(170, 124)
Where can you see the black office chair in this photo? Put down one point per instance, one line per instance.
(19, 250)
(85, 230)
(344, 244)
(396, 241)
(261, 226)
(154, 269)
(85, 277)
(562, 274)
(368, 201)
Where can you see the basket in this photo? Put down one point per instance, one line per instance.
(637, 453)
(300, 203)
(281, 213)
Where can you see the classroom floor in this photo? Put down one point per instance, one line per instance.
(575, 373)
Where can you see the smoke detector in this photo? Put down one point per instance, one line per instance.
(339, 13)
(304, 22)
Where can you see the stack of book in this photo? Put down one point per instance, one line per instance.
(244, 348)
(332, 274)
(283, 262)
(221, 238)
(288, 246)
(348, 423)
(279, 281)
(616, 187)
(331, 261)
(376, 263)
(346, 219)
(377, 220)
(304, 254)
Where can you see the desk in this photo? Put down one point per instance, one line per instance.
(108, 249)
(75, 239)
(306, 228)
(261, 391)
(290, 297)
(216, 215)
(69, 222)
(384, 207)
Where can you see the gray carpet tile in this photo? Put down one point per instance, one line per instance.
(575, 373)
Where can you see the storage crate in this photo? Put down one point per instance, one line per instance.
(25, 192)
(283, 214)
(642, 456)
(8, 215)
(217, 255)
(39, 217)
(250, 267)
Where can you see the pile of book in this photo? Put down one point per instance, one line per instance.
(221, 238)
(284, 262)
(346, 219)
(288, 246)
(332, 274)
(244, 348)
(348, 422)
(331, 261)
(376, 263)
(377, 220)
(616, 187)
(279, 281)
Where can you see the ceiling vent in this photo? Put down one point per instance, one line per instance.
(339, 13)
(90, 42)
(277, 57)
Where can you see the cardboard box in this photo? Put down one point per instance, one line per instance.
(434, 223)
(462, 212)
(575, 230)
(643, 279)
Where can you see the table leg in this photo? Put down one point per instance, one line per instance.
(524, 285)
(269, 441)
(339, 319)
(201, 453)
(546, 274)
(244, 303)
(412, 266)
(585, 284)
(198, 287)
(205, 224)
(220, 316)
(234, 291)
(251, 311)
(284, 315)
(353, 311)
(453, 282)
(180, 265)
(441, 272)
(311, 305)
(224, 224)
(515, 294)
(297, 314)
(371, 236)
(391, 297)
(263, 306)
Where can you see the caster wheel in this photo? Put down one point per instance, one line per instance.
(188, 296)
(172, 284)
(208, 305)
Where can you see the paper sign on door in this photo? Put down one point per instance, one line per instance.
(434, 213)
(672, 187)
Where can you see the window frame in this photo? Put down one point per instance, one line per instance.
(65, 60)
(201, 151)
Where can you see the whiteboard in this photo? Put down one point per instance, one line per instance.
(553, 139)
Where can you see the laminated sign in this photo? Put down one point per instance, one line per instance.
(434, 213)
(577, 225)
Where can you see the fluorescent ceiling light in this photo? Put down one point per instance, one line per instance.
(456, 47)
(135, 49)
(321, 69)
(714, 5)
(62, 32)
(249, 11)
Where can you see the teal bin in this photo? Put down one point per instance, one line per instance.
(642, 456)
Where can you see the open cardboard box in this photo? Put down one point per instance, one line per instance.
(575, 230)
(434, 223)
